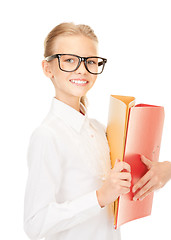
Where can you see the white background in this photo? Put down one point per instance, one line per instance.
(135, 37)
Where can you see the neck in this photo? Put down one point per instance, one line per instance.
(74, 103)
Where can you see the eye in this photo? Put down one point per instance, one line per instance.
(69, 60)
(91, 62)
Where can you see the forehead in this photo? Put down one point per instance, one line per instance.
(79, 45)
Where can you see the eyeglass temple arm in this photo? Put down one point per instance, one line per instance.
(50, 58)
(102, 62)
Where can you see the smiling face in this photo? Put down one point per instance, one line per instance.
(71, 86)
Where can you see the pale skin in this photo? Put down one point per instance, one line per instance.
(159, 173)
(66, 91)
(117, 182)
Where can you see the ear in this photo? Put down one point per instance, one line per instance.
(47, 69)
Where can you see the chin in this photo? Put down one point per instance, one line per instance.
(80, 93)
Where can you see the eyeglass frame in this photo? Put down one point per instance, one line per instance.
(81, 59)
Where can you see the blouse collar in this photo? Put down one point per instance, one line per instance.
(70, 115)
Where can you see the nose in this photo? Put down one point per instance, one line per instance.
(82, 68)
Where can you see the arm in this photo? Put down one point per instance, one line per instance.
(43, 215)
(158, 175)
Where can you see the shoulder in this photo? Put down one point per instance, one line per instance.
(42, 132)
(41, 138)
(42, 146)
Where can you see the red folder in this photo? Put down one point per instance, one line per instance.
(137, 131)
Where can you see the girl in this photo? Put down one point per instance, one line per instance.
(70, 183)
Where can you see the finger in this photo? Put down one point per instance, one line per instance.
(125, 176)
(126, 184)
(125, 190)
(143, 191)
(146, 161)
(142, 181)
(145, 194)
(119, 166)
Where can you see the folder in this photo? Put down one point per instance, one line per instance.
(132, 131)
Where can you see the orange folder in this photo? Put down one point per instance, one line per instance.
(133, 131)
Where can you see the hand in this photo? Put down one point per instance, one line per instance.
(157, 176)
(116, 184)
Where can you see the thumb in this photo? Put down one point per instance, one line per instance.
(116, 163)
(146, 161)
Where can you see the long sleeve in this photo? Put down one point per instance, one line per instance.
(43, 214)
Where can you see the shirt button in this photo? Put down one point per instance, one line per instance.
(92, 135)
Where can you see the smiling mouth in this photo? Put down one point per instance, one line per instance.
(79, 82)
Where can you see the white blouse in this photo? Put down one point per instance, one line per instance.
(68, 159)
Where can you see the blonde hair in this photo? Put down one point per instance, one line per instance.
(68, 29)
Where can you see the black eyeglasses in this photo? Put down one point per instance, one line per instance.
(71, 62)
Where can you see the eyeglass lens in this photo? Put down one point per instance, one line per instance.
(70, 63)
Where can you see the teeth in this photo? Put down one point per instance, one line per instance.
(78, 81)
